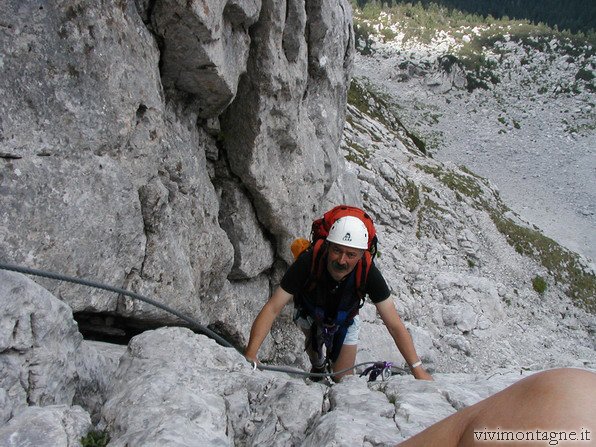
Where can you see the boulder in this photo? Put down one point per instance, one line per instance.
(357, 415)
(51, 426)
(173, 387)
(39, 342)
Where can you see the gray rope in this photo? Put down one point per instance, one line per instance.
(194, 323)
(136, 296)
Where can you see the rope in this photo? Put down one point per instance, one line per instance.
(136, 296)
(194, 323)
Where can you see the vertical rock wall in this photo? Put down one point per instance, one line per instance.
(282, 130)
(172, 148)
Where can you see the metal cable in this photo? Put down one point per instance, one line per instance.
(194, 323)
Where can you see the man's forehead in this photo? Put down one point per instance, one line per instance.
(345, 248)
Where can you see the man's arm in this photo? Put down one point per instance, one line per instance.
(264, 321)
(401, 336)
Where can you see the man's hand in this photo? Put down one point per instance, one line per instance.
(251, 358)
(421, 374)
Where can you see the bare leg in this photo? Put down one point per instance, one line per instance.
(346, 359)
(560, 400)
(316, 360)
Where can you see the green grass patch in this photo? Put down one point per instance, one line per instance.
(358, 154)
(539, 284)
(96, 439)
(411, 196)
(463, 184)
(428, 212)
(378, 106)
(584, 75)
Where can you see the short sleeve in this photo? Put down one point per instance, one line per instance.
(376, 286)
(297, 274)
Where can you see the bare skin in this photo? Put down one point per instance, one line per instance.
(559, 400)
(341, 261)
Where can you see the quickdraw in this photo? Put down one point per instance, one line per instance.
(382, 369)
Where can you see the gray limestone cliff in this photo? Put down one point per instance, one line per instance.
(175, 149)
(171, 148)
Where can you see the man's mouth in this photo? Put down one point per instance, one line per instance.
(339, 267)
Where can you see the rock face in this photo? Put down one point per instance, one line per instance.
(175, 388)
(51, 426)
(169, 147)
(175, 148)
(38, 342)
(282, 130)
(205, 48)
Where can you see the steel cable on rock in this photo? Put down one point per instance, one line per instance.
(194, 323)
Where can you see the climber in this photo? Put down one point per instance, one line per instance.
(324, 282)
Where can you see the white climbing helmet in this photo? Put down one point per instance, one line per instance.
(349, 231)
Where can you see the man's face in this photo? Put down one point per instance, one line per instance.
(341, 260)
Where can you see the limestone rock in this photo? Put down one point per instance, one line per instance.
(74, 76)
(51, 426)
(38, 344)
(419, 404)
(461, 315)
(358, 415)
(287, 112)
(108, 180)
(177, 388)
(57, 198)
(253, 252)
(236, 307)
(205, 47)
(96, 363)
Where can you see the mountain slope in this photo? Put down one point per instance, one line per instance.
(465, 270)
(512, 101)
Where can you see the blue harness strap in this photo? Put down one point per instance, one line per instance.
(332, 320)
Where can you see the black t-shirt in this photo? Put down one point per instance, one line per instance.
(298, 273)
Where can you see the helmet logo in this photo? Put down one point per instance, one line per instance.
(347, 237)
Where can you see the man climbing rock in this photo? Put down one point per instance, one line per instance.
(328, 282)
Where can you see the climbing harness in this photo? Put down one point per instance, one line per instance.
(195, 324)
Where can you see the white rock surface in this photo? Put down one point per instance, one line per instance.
(50, 426)
(38, 344)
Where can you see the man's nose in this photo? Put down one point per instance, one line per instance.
(342, 259)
